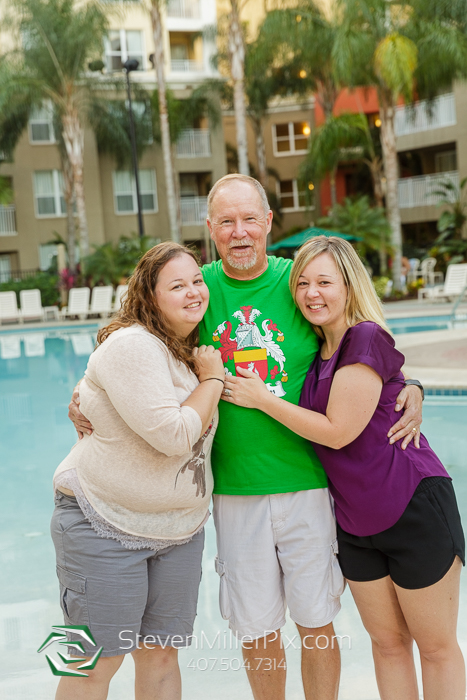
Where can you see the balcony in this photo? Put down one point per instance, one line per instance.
(184, 9)
(418, 191)
(8, 220)
(415, 118)
(185, 65)
(193, 210)
(194, 143)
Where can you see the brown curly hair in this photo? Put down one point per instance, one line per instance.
(139, 304)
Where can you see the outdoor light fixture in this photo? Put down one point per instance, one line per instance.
(302, 73)
(311, 186)
(378, 122)
(306, 130)
(130, 65)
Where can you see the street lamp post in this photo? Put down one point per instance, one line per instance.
(130, 65)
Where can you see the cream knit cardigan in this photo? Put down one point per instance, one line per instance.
(145, 468)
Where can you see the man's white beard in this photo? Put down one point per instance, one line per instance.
(242, 265)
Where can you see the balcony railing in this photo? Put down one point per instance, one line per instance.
(418, 191)
(8, 220)
(415, 118)
(185, 65)
(194, 143)
(185, 9)
(194, 210)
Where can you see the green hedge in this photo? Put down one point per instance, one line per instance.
(46, 282)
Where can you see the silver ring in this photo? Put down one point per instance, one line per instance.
(227, 392)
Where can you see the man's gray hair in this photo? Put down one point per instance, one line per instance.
(227, 179)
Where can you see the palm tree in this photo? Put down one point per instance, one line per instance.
(59, 38)
(398, 48)
(358, 218)
(451, 223)
(345, 138)
(236, 52)
(303, 38)
(166, 141)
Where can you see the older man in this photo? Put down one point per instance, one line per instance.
(275, 528)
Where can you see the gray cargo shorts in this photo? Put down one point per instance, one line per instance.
(128, 598)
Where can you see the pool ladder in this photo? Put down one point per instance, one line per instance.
(455, 316)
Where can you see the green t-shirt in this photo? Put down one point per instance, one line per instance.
(256, 323)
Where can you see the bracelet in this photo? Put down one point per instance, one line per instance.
(216, 378)
(415, 382)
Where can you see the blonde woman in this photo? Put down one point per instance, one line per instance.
(401, 545)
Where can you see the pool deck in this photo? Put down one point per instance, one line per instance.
(438, 359)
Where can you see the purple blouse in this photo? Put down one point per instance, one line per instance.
(370, 480)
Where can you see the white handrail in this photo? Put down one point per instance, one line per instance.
(193, 210)
(8, 220)
(419, 191)
(413, 118)
(194, 143)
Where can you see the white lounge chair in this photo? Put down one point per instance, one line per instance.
(119, 296)
(427, 271)
(9, 307)
(78, 303)
(456, 280)
(31, 304)
(101, 301)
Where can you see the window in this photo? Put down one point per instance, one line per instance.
(121, 45)
(290, 138)
(290, 198)
(445, 161)
(48, 193)
(41, 128)
(125, 191)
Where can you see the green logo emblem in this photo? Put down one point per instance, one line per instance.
(60, 668)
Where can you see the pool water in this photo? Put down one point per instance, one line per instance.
(38, 371)
(417, 324)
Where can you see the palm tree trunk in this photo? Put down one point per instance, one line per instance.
(376, 176)
(73, 138)
(68, 194)
(332, 181)
(388, 143)
(237, 72)
(169, 170)
(260, 151)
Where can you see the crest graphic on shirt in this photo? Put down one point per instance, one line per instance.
(252, 345)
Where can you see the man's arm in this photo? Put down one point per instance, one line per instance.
(81, 423)
(407, 427)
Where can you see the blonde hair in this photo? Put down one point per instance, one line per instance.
(227, 179)
(362, 301)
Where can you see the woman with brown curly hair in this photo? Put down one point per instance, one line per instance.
(132, 497)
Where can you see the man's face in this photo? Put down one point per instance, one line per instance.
(239, 228)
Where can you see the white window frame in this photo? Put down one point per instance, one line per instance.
(295, 193)
(124, 50)
(57, 195)
(291, 138)
(133, 193)
(47, 107)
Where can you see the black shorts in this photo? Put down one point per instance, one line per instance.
(418, 550)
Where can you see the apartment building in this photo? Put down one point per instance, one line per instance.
(38, 210)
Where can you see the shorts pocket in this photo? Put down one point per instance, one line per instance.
(224, 599)
(73, 599)
(336, 578)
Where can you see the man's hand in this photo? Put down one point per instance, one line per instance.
(408, 427)
(81, 423)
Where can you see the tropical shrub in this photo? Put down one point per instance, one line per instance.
(46, 282)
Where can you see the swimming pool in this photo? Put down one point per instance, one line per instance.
(38, 370)
(416, 324)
